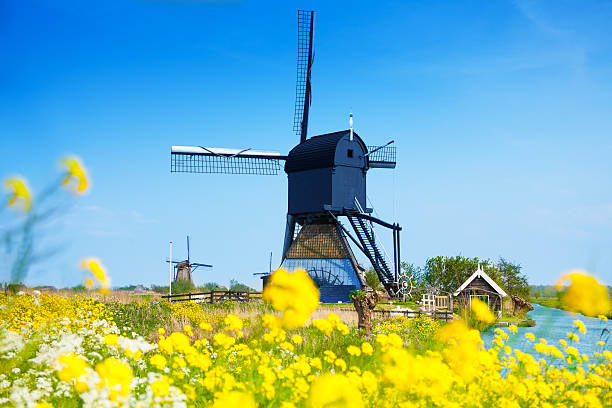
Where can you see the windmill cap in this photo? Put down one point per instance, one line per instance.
(320, 151)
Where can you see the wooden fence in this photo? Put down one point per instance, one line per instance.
(214, 296)
(434, 314)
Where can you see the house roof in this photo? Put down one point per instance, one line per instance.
(481, 274)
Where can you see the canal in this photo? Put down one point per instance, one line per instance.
(554, 324)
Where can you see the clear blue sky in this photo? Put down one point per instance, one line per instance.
(502, 113)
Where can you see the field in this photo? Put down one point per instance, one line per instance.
(94, 350)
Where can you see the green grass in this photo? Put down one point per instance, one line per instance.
(554, 302)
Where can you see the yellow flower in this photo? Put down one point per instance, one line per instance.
(580, 326)
(285, 345)
(574, 337)
(513, 328)
(116, 375)
(555, 352)
(341, 364)
(334, 319)
(76, 172)
(334, 390)
(161, 386)
(233, 322)
(354, 350)
(294, 294)
(324, 325)
(74, 368)
(297, 339)
(234, 399)
(99, 273)
(223, 340)
(206, 326)
(602, 317)
(111, 339)
(530, 337)
(481, 311)
(43, 405)
(19, 193)
(584, 295)
(367, 349)
(161, 331)
(158, 361)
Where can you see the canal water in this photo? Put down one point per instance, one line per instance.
(554, 324)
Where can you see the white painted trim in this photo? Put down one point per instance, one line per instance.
(480, 273)
(211, 151)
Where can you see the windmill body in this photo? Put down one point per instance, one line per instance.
(182, 270)
(326, 181)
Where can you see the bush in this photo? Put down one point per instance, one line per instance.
(182, 286)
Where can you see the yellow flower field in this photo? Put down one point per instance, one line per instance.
(60, 351)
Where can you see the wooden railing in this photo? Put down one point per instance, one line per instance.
(434, 314)
(214, 296)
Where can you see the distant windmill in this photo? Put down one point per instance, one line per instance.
(327, 180)
(184, 269)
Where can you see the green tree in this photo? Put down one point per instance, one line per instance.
(371, 278)
(513, 282)
(236, 286)
(448, 273)
(181, 286)
(416, 274)
(210, 286)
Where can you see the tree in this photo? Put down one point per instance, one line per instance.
(236, 286)
(371, 278)
(364, 303)
(210, 286)
(512, 280)
(447, 274)
(181, 286)
(416, 274)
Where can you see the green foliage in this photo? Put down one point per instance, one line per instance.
(236, 286)
(471, 320)
(160, 289)
(542, 291)
(512, 280)
(210, 286)
(356, 294)
(78, 288)
(182, 286)
(143, 320)
(371, 278)
(128, 287)
(13, 288)
(448, 273)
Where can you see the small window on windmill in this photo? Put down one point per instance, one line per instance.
(349, 153)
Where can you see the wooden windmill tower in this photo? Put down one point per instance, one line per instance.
(327, 180)
(183, 269)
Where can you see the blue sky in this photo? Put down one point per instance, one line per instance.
(501, 112)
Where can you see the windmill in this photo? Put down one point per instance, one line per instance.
(327, 181)
(184, 269)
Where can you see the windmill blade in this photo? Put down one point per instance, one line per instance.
(197, 159)
(306, 21)
(201, 264)
(382, 157)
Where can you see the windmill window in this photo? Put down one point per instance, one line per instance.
(349, 152)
